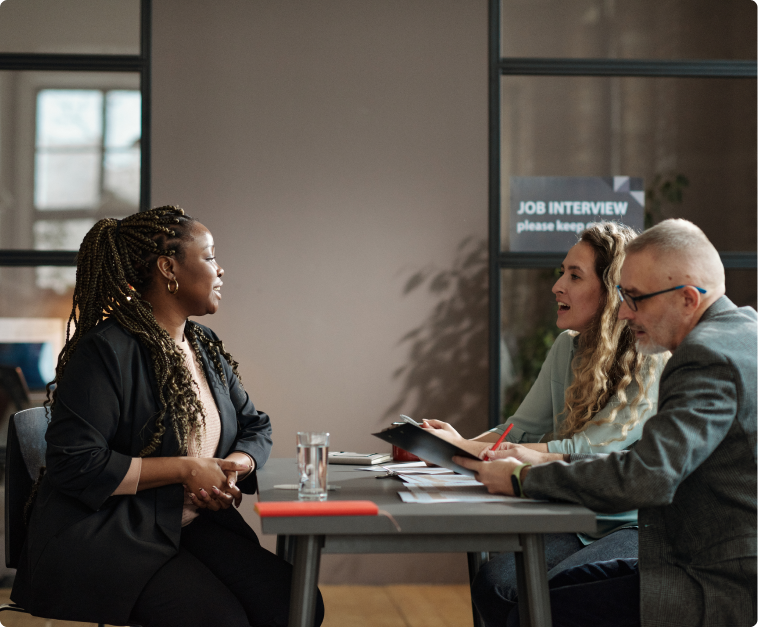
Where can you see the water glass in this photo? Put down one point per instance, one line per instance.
(312, 457)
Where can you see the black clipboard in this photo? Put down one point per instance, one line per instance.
(426, 445)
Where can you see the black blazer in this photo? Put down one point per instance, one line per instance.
(88, 554)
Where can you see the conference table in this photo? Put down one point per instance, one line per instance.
(473, 528)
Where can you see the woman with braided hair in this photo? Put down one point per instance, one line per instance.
(151, 444)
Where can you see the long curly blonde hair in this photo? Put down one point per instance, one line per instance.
(606, 360)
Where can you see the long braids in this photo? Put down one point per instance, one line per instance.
(114, 266)
(214, 347)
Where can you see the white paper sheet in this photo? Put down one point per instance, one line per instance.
(409, 469)
(479, 494)
(453, 496)
(440, 481)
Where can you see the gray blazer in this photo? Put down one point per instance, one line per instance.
(692, 476)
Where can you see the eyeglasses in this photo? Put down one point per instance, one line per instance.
(631, 301)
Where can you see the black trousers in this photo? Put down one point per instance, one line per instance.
(494, 589)
(218, 577)
(601, 594)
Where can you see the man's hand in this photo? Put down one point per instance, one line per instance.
(495, 475)
(523, 453)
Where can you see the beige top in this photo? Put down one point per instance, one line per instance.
(209, 437)
(212, 432)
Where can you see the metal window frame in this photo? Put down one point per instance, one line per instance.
(504, 66)
(140, 64)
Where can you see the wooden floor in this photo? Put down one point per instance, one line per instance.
(397, 606)
(348, 606)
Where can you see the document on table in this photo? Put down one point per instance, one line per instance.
(440, 481)
(478, 494)
(440, 485)
(451, 489)
(412, 468)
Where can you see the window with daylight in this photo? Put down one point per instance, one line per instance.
(74, 139)
(86, 164)
(87, 150)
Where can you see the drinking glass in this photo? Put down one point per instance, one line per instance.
(312, 456)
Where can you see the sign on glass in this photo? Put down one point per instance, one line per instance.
(548, 213)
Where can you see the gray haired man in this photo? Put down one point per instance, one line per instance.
(692, 475)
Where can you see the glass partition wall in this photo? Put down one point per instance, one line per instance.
(91, 27)
(74, 148)
(615, 29)
(602, 88)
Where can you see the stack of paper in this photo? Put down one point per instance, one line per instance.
(410, 468)
(447, 487)
(440, 481)
(469, 494)
(431, 484)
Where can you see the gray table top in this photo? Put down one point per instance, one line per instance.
(414, 518)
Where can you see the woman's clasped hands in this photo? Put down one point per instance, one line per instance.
(211, 483)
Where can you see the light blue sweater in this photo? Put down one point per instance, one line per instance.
(542, 412)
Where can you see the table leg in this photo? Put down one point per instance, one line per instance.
(535, 576)
(523, 593)
(307, 560)
(475, 561)
(285, 547)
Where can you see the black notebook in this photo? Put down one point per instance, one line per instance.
(426, 445)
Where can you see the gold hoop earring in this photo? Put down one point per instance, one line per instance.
(176, 288)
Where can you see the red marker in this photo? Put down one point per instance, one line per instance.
(502, 437)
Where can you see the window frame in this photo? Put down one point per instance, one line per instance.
(93, 83)
(52, 62)
(500, 66)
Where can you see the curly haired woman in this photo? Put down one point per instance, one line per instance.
(152, 441)
(592, 395)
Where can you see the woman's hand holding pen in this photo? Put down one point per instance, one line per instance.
(522, 453)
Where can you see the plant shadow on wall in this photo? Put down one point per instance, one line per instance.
(446, 374)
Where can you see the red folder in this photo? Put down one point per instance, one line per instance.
(316, 508)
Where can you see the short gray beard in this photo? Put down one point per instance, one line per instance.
(650, 348)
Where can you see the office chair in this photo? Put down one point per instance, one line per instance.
(14, 396)
(13, 388)
(24, 456)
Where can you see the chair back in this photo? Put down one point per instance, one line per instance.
(24, 456)
(13, 388)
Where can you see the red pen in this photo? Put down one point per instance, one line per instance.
(502, 437)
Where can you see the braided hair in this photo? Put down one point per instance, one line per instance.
(114, 267)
